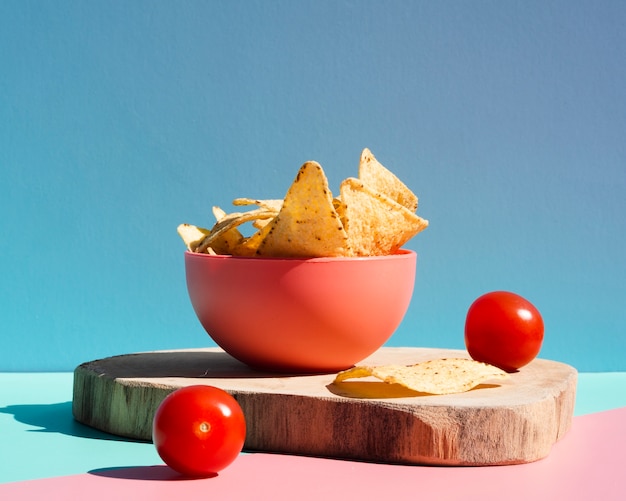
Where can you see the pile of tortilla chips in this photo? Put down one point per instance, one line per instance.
(373, 215)
(437, 377)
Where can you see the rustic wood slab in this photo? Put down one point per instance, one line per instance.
(504, 422)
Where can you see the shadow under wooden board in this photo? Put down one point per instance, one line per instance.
(511, 421)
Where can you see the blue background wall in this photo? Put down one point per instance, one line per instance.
(119, 120)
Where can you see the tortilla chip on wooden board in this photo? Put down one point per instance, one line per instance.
(437, 377)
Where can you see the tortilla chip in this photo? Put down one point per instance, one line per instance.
(436, 377)
(192, 235)
(307, 225)
(373, 216)
(224, 243)
(376, 225)
(248, 246)
(224, 235)
(340, 207)
(271, 204)
(218, 213)
(382, 180)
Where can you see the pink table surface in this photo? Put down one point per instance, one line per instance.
(586, 464)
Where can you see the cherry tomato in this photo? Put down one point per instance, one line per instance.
(199, 430)
(503, 329)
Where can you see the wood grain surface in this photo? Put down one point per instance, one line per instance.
(503, 422)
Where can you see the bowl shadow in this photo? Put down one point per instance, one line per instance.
(188, 364)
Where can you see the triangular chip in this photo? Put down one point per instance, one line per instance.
(307, 224)
(436, 377)
(340, 207)
(249, 246)
(372, 216)
(261, 223)
(382, 180)
(222, 239)
(376, 225)
(227, 240)
(270, 204)
(192, 235)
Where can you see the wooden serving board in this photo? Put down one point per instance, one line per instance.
(510, 421)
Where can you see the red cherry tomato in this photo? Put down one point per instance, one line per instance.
(503, 329)
(199, 430)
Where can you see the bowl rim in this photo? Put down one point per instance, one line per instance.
(399, 254)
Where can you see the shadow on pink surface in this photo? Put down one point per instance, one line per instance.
(152, 473)
(586, 464)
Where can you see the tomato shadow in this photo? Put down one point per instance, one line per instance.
(55, 418)
(150, 473)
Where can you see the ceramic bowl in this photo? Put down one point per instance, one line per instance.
(300, 315)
